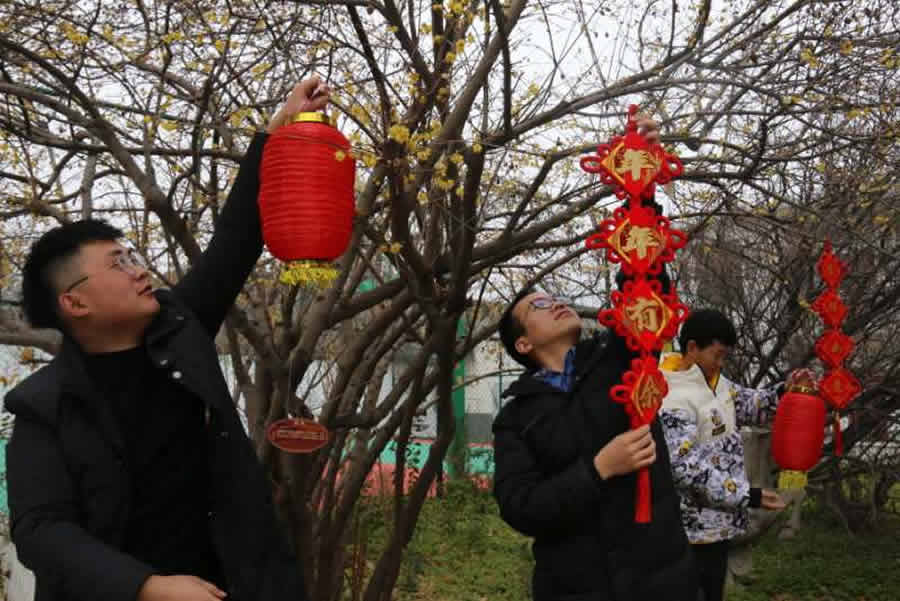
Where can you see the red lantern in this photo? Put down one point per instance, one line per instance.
(798, 434)
(306, 191)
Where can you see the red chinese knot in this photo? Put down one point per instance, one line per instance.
(641, 242)
(839, 386)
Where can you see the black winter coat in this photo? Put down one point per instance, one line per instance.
(69, 486)
(587, 545)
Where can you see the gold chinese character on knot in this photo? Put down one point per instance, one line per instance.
(646, 314)
(647, 394)
(642, 239)
(636, 161)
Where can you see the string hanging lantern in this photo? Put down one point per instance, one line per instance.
(640, 241)
(306, 197)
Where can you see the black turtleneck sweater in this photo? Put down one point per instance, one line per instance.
(164, 430)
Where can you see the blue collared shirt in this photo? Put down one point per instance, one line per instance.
(559, 380)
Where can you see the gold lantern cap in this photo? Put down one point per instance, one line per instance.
(312, 117)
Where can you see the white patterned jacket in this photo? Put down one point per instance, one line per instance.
(701, 423)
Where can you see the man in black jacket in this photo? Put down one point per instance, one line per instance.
(130, 474)
(566, 464)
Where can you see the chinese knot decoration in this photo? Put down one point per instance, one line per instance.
(839, 386)
(640, 241)
(306, 201)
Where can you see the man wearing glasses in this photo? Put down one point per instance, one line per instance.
(566, 463)
(130, 475)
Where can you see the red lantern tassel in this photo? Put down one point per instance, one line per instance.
(838, 436)
(642, 497)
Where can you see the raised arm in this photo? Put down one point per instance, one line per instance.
(755, 406)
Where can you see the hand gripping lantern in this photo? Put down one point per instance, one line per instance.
(642, 242)
(306, 197)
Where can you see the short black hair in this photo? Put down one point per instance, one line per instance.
(511, 329)
(705, 327)
(46, 256)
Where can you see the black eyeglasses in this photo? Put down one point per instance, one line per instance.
(546, 302)
(128, 261)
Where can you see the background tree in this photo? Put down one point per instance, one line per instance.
(467, 119)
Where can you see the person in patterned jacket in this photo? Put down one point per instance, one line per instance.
(701, 417)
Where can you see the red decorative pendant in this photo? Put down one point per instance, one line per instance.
(631, 164)
(830, 308)
(638, 239)
(839, 387)
(642, 242)
(643, 315)
(831, 269)
(642, 390)
(297, 435)
(834, 347)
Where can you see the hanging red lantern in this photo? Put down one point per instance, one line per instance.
(798, 434)
(306, 196)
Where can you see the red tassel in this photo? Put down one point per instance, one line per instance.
(642, 497)
(838, 436)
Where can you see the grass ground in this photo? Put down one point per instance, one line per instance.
(824, 563)
(463, 551)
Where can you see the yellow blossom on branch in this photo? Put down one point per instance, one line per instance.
(398, 133)
(809, 58)
(392, 248)
(369, 159)
(73, 35)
